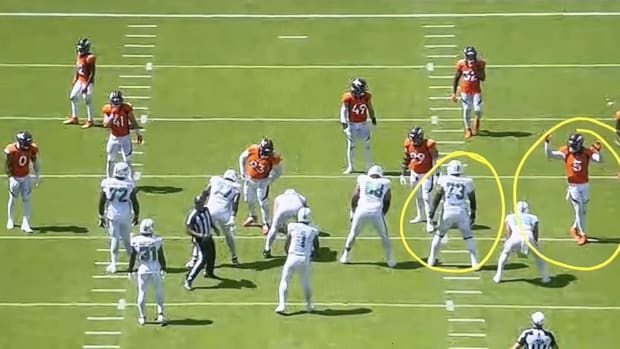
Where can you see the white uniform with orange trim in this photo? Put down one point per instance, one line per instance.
(258, 173)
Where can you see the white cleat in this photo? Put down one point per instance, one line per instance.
(430, 227)
(141, 320)
(391, 262)
(546, 280)
(497, 279)
(9, 224)
(310, 308)
(189, 265)
(187, 285)
(444, 240)
(26, 228)
(161, 320)
(348, 170)
(417, 219)
(344, 259)
(111, 268)
(280, 309)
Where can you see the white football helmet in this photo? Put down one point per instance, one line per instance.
(455, 168)
(538, 318)
(304, 215)
(231, 175)
(147, 227)
(290, 191)
(375, 170)
(523, 207)
(121, 170)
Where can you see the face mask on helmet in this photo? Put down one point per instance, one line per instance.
(416, 135)
(359, 87)
(265, 149)
(24, 140)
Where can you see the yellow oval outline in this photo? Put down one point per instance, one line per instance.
(476, 157)
(515, 187)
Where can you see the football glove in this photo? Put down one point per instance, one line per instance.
(344, 125)
(131, 275)
(547, 138)
(403, 180)
(135, 220)
(101, 222)
(374, 121)
(231, 221)
(139, 139)
(597, 146)
(453, 97)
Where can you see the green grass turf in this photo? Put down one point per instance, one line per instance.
(57, 266)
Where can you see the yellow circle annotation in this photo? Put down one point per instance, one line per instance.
(476, 157)
(515, 187)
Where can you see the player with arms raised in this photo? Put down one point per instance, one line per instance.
(223, 195)
(148, 251)
(355, 110)
(454, 189)
(470, 72)
(118, 210)
(577, 159)
(118, 117)
(516, 243)
(259, 166)
(285, 207)
(302, 241)
(420, 156)
(369, 204)
(83, 84)
(18, 157)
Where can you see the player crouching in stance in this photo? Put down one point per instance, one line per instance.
(369, 204)
(420, 157)
(148, 252)
(259, 166)
(470, 71)
(285, 207)
(118, 210)
(454, 189)
(516, 243)
(223, 203)
(118, 116)
(18, 157)
(577, 159)
(301, 242)
(355, 110)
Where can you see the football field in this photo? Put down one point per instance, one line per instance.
(211, 77)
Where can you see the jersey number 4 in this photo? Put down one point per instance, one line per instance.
(119, 194)
(456, 190)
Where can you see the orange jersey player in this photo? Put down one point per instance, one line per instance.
(18, 158)
(470, 72)
(355, 111)
(420, 156)
(577, 162)
(118, 117)
(82, 84)
(259, 166)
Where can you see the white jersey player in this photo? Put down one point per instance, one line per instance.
(515, 240)
(118, 210)
(148, 252)
(223, 202)
(285, 208)
(302, 241)
(455, 190)
(369, 205)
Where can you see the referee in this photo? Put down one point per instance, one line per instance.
(536, 337)
(200, 227)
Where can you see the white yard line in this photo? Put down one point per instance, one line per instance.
(135, 87)
(466, 320)
(140, 76)
(462, 278)
(108, 290)
(439, 36)
(90, 318)
(479, 335)
(102, 333)
(137, 56)
(142, 26)
(100, 346)
(292, 36)
(139, 46)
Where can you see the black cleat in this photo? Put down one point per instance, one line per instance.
(267, 254)
(234, 260)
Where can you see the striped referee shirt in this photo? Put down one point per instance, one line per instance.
(200, 222)
(537, 338)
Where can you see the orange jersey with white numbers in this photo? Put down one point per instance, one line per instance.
(258, 167)
(20, 160)
(120, 123)
(420, 157)
(577, 165)
(357, 106)
(470, 84)
(85, 66)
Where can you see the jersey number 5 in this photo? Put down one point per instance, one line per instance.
(577, 166)
(456, 190)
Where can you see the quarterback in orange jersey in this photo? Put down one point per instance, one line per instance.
(118, 117)
(355, 110)
(83, 82)
(18, 157)
(259, 166)
(577, 159)
(420, 156)
(470, 72)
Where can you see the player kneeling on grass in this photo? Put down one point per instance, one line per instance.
(302, 241)
(118, 210)
(454, 189)
(515, 240)
(285, 208)
(148, 252)
(369, 204)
